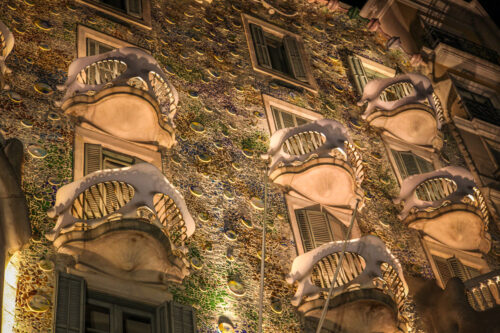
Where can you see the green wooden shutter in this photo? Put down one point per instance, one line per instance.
(424, 165)
(320, 228)
(93, 158)
(358, 71)
(314, 228)
(294, 58)
(183, 318)
(134, 8)
(305, 233)
(70, 304)
(457, 269)
(259, 43)
(339, 230)
(443, 269)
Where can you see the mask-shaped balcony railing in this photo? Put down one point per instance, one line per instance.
(447, 206)
(317, 162)
(405, 107)
(483, 291)
(123, 92)
(6, 45)
(136, 199)
(369, 274)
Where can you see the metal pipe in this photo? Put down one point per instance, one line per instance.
(337, 270)
(263, 252)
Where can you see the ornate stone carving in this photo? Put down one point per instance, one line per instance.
(123, 92)
(6, 45)
(412, 117)
(446, 205)
(370, 286)
(129, 223)
(318, 162)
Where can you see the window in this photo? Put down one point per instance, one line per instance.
(277, 52)
(318, 227)
(453, 267)
(281, 114)
(97, 151)
(365, 70)
(409, 164)
(132, 11)
(99, 158)
(94, 47)
(283, 119)
(92, 42)
(479, 106)
(80, 310)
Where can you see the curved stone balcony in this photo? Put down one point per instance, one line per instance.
(6, 45)
(369, 292)
(317, 162)
(123, 92)
(405, 107)
(446, 205)
(128, 223)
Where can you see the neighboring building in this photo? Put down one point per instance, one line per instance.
(145, 176)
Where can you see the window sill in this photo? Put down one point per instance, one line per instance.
(145, 22)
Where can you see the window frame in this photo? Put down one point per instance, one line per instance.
(433, 248)
(427, 154)
(369, 64)
(84, 33)
(342, 215)
(270, 102)
(84, 135)
(144, 22)
(310, 83)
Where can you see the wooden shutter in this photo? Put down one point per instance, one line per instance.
(294, 58)
(70, 304)
(260, 46)
(134, 8)
(457, 269)
(93, 158)
(358, 71)
(305, 233)
(314, 227)
(443, 269)
(183, 318)
(423, 164)
(339, 230)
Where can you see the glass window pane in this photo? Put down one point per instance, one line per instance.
(136, 324)
(97, 318)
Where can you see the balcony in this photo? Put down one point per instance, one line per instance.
(127, 223)
(124, 93)
(483, 292)
(405, 107)
(370, 289)
(446, 205)
(317, 162)
(6, 45)
(435, 36)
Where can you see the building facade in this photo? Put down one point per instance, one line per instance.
(145, 144)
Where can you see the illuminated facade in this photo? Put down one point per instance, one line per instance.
(140, 138)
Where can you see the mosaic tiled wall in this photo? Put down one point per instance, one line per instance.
(221, 131)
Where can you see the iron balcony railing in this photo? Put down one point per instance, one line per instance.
(483, 292)
(434, 36)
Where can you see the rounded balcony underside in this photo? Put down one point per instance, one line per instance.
(458, 226)
(126, 249)
(327, 181)
(415, 124)
(365, 310)
(125, 112)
